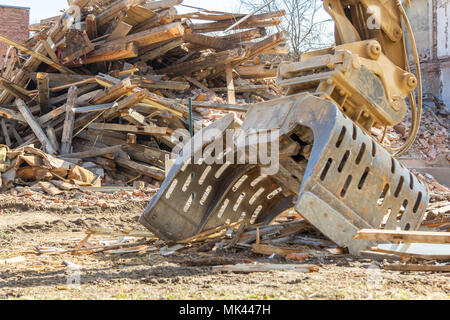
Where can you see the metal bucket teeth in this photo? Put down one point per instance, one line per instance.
(350, 181)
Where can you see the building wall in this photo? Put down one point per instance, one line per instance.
(443, 29)
(430, 20)
(443, 47)
(421, 16)
(14, 23)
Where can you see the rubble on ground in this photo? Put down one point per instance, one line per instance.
(106, 95)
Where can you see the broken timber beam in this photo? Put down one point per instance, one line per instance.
(144, 130)
(152, 172)
(44, 92)
(66, 140)
(26, 113)
(95, 152)
(154, 35)
(404, 236)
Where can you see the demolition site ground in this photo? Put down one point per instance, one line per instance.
(183, 275)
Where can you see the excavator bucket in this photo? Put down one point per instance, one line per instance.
(346, 181)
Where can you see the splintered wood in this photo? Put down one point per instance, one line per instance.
(110, 89)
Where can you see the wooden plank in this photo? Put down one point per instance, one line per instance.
(13, 89)
(36, 55)
(242, 89)
(269, 250)
(52, 137)
(95, 152)
(158, 52)
(162, 4)
(91, 26)
(62, 80)
(259, 71)
(189, 67)
(219, 26)
(209, 42)
(44, 92)
(121, 30)
(152, 172)
(66, 140)
(420, 250)
(17, 136)
(109, 52)
(133, 117)
(160, 84)
(143, 130)
(49, 48)
(130, 101)
(417, 268)
(12, 114)
(154, 35)
(246, 35)
(112, 11)
(266, 268)
(403, 236)
(5, 132)
(161, 18)
(230, 85)
(114, 92)
(26, 113)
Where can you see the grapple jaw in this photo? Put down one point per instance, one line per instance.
(348, 183)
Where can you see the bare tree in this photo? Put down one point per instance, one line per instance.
(307, 23)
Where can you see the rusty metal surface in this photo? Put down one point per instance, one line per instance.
(341, 190)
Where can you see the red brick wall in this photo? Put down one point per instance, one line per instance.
(14, 23)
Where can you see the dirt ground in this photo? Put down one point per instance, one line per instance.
(30, 221)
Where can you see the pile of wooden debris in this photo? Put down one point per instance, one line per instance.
(108, 82)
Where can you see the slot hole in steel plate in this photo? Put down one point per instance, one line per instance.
(346, 185)
(238, 202)
(355, 132)
(374, 149)
(204, 175)
(399, 187)
(223, 208)
(256, 196)
(362, 151)
(189, 202)
(257, 180)
(171, 189)
(363, 178)
(205, 195)
(188, 182)
(393, 167)
(402, 210)
(326, 169)
(243, 216)
(256, 213)
(385, 218)
(344, 161)
(383, 195)
(341, 137)
(417, 204)
(274, 193)
(222, 170)
(411, 181)
(240, 182)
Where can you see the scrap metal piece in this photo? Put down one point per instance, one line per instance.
(350, 182)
